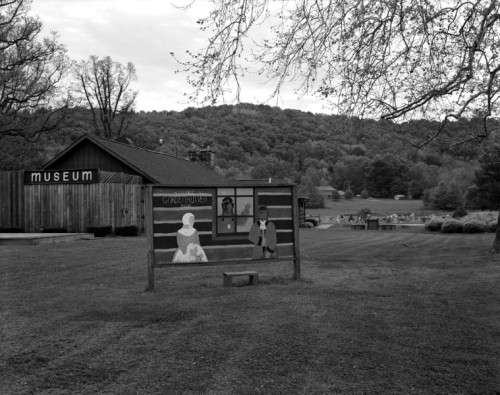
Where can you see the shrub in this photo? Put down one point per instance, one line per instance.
(100, 231)
(460, 212)
(364, 212)
(348, 194)
(364, 194)
(489, 218)
(434, 225)
(315, 201)
(452, 226)
(335, 195)
(475, 226)
(54, 230)
(307, 224)
(131, 230)
(486, 216)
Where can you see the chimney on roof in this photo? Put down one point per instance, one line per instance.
(205, 156)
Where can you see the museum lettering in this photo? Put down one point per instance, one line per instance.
(61, 176)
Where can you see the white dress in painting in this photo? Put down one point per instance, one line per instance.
(188, 242)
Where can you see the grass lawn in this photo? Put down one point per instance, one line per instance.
(375, 312)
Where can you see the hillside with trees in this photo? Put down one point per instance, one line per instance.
(260, 141)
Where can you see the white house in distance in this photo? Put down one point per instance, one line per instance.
(327, 192)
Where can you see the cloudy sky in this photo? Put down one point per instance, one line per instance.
(144, 32)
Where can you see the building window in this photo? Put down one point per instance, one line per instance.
(235, 210)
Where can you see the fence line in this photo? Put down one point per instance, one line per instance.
(75, 207)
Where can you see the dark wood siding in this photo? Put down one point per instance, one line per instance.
(88, 156)
(76, 207)
(71, 206)
(11, 199)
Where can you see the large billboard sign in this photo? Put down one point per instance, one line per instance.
(229, 224)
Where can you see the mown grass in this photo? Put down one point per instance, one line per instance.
(375, 312)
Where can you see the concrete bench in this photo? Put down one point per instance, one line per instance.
(358, 226)
(253, 277)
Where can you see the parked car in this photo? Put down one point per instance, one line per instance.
(313, 220)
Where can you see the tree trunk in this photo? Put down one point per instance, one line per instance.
(496, 243)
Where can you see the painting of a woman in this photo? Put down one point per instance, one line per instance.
(188, 242)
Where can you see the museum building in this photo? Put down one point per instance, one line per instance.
(98, 182)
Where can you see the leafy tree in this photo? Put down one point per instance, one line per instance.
(485, 193)
(31, 69)
(462, 174)
(387, 176)
(308, 187)
(233, 173)
(399, 186)
(422, 177)
(104, 85)
(313, 177)
(233, 152)
(260, 172)
(390, 59)
(443, 197)
(415, 189)
(17, 153)
(350, 173)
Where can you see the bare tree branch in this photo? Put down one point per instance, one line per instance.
(105, 86)
(31, 71)
(391, 59)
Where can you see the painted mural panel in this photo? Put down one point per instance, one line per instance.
(197, 225)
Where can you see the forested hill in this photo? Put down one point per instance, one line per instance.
(260, 141)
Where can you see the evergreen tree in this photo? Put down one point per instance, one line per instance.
(485, 193)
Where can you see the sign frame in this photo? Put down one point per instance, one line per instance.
(159, 257)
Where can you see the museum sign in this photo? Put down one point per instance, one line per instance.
(79, 176)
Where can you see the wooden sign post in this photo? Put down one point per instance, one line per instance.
(240, 223)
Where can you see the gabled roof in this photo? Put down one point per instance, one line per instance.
(158, 167)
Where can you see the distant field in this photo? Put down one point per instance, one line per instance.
(378, 207)
(376, 312)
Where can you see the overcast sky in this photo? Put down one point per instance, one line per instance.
(144, 32)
